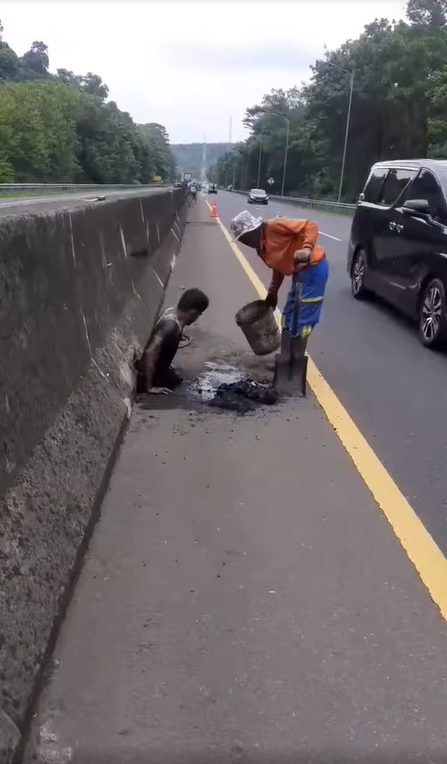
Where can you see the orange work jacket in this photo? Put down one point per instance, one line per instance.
(282, 237)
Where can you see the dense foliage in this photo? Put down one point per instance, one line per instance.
(399, 110)
(61, 128)
(188, 156)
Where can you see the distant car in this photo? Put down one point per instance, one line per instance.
(258, 196)
(178, 184)
(230, 187)
(398, 240)
(212, 189)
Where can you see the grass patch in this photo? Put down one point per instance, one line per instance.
(39, 193)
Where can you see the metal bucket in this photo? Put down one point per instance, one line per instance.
(258, 323)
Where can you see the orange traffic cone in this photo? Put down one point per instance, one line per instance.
(213, 211)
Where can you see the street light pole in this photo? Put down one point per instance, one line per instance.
(348, 120)
(259, 161)
(286, 149)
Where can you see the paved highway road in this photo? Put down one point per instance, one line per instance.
(394, 389)
(244, 600)
(23, 205)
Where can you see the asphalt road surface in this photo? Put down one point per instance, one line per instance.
(24, 205)
(244, 599)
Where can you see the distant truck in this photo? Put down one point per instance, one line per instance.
(157, 179)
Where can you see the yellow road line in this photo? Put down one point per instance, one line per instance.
(420, 547)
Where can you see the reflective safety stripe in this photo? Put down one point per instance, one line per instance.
(305, 331)
(312, 299)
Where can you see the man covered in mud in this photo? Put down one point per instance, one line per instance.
(155, 374)
(290, 248)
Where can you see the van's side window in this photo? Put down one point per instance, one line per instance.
(425, 186)
(374, 184)
(394, 185)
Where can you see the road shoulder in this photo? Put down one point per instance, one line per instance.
(243, 595)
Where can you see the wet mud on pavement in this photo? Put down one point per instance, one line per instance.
(231, 380)
(243, 396)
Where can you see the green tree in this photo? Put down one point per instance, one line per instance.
(431, 13)
(36, 121)
(157, 137)
(68, 77)
(36, 60)
(50, 131)
(61, 127)
(10, 67)
(399, 109)
(93, 85)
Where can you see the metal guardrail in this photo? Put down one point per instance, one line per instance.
(78, 186)
(322, 204)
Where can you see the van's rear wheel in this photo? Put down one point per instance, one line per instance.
(432, 315)
(358, 273)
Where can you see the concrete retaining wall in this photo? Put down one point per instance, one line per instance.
(79, 292)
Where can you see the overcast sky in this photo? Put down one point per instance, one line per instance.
(190, 65)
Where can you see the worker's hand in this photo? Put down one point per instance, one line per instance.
(302, 257)
(271, 299)
(159, 391)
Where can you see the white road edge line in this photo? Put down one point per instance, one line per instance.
(322, 232)
(330, 236)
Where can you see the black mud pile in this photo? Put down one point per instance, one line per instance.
(243, 396)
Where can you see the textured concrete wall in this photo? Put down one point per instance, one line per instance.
(79, 292)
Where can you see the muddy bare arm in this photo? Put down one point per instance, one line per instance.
(272, 292)
(150, 360)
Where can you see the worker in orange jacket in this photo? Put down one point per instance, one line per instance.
(290, 248)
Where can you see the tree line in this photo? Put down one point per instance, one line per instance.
(399, 110)
(61, 127)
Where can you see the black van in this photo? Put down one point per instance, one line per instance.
(398, 242)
